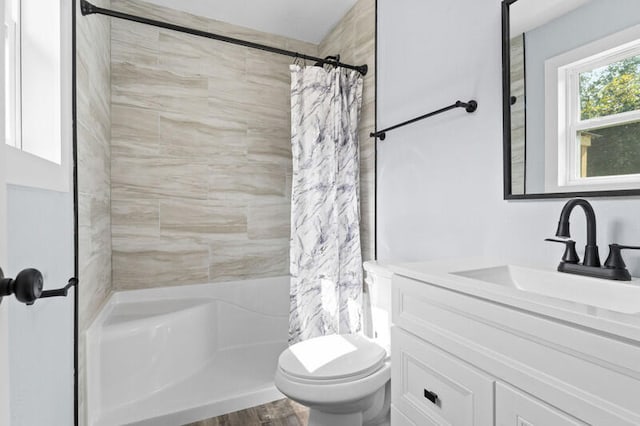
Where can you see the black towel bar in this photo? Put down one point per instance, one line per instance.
(470, 106)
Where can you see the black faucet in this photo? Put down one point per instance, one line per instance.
(591, 256)
(614, 268)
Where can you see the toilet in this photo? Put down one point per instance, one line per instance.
(345, 379)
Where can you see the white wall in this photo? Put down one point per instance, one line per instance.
(440, 180)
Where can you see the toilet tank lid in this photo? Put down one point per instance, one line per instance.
(338, 356)
(376, 268)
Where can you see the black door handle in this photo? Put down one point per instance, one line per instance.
(60, 291)
(27, 286)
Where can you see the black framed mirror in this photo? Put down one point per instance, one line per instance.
(571, 98)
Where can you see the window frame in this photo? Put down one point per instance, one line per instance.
(13, 74)
(562, 153)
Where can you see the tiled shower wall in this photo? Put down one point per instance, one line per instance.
(201, 154)
(93, 83)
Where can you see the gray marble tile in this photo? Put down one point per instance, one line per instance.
(271, 92)
(134, 132)
(270, 68)
(301, 47)
(225, 61)
(96, 272)
(93, 60)
(93, 48)
(161, 90)
(153, 11)
(182, 54)
(148, 263)
(227, 115)
(93, 85)
(93, 162)
(270, 219)
(270, 146)
(134, 43)
(202, 139)
(153, 177)
(517, 116)
(202, 220)
(248, 259)
(265, 117)
(246, 181)
(230, 91)
(134, 218)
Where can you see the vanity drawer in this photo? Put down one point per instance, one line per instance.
(431, 387)
(517, 408)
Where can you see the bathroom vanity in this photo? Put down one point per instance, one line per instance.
(477, 342)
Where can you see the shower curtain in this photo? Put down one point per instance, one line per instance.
(325, 256)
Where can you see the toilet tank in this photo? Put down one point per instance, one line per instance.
(377, 303)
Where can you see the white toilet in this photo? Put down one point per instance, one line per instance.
(345, 379)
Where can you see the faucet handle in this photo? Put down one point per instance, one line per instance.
(614, 260)
(570, 255)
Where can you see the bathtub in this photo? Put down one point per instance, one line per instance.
(170, 356)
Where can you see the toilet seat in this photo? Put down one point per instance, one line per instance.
(332, 359)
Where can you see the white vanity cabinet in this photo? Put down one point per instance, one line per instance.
(461, 359)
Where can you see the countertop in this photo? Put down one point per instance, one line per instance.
(440, 273)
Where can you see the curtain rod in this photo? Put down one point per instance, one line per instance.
(470, 106)
(88, 9)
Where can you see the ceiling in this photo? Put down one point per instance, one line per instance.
(307, 20)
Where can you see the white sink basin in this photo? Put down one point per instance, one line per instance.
(612, 295)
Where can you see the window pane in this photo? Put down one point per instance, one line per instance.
(40, 79)
(11, 67)
(610, 151)
(610, 89)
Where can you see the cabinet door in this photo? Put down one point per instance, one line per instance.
(399, 419)
(432, 387)
(514, 408)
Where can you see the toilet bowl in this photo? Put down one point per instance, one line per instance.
(343, 379)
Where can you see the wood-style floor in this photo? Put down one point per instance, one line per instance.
(283, 412)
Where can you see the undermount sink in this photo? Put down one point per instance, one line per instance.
(612, 295)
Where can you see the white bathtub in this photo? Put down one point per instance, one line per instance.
(170, 356)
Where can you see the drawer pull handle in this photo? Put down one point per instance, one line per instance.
(431, 396)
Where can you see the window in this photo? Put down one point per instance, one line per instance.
(12, 73)
(37, 65)
(597, 115)
(604, 115)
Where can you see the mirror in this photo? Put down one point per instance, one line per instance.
(571, 98)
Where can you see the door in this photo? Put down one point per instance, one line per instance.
(38, 339)
(4, 312)
(37, 230)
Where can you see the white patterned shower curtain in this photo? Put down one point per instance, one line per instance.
(325, 256)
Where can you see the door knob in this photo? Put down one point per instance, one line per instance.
(27, 286)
